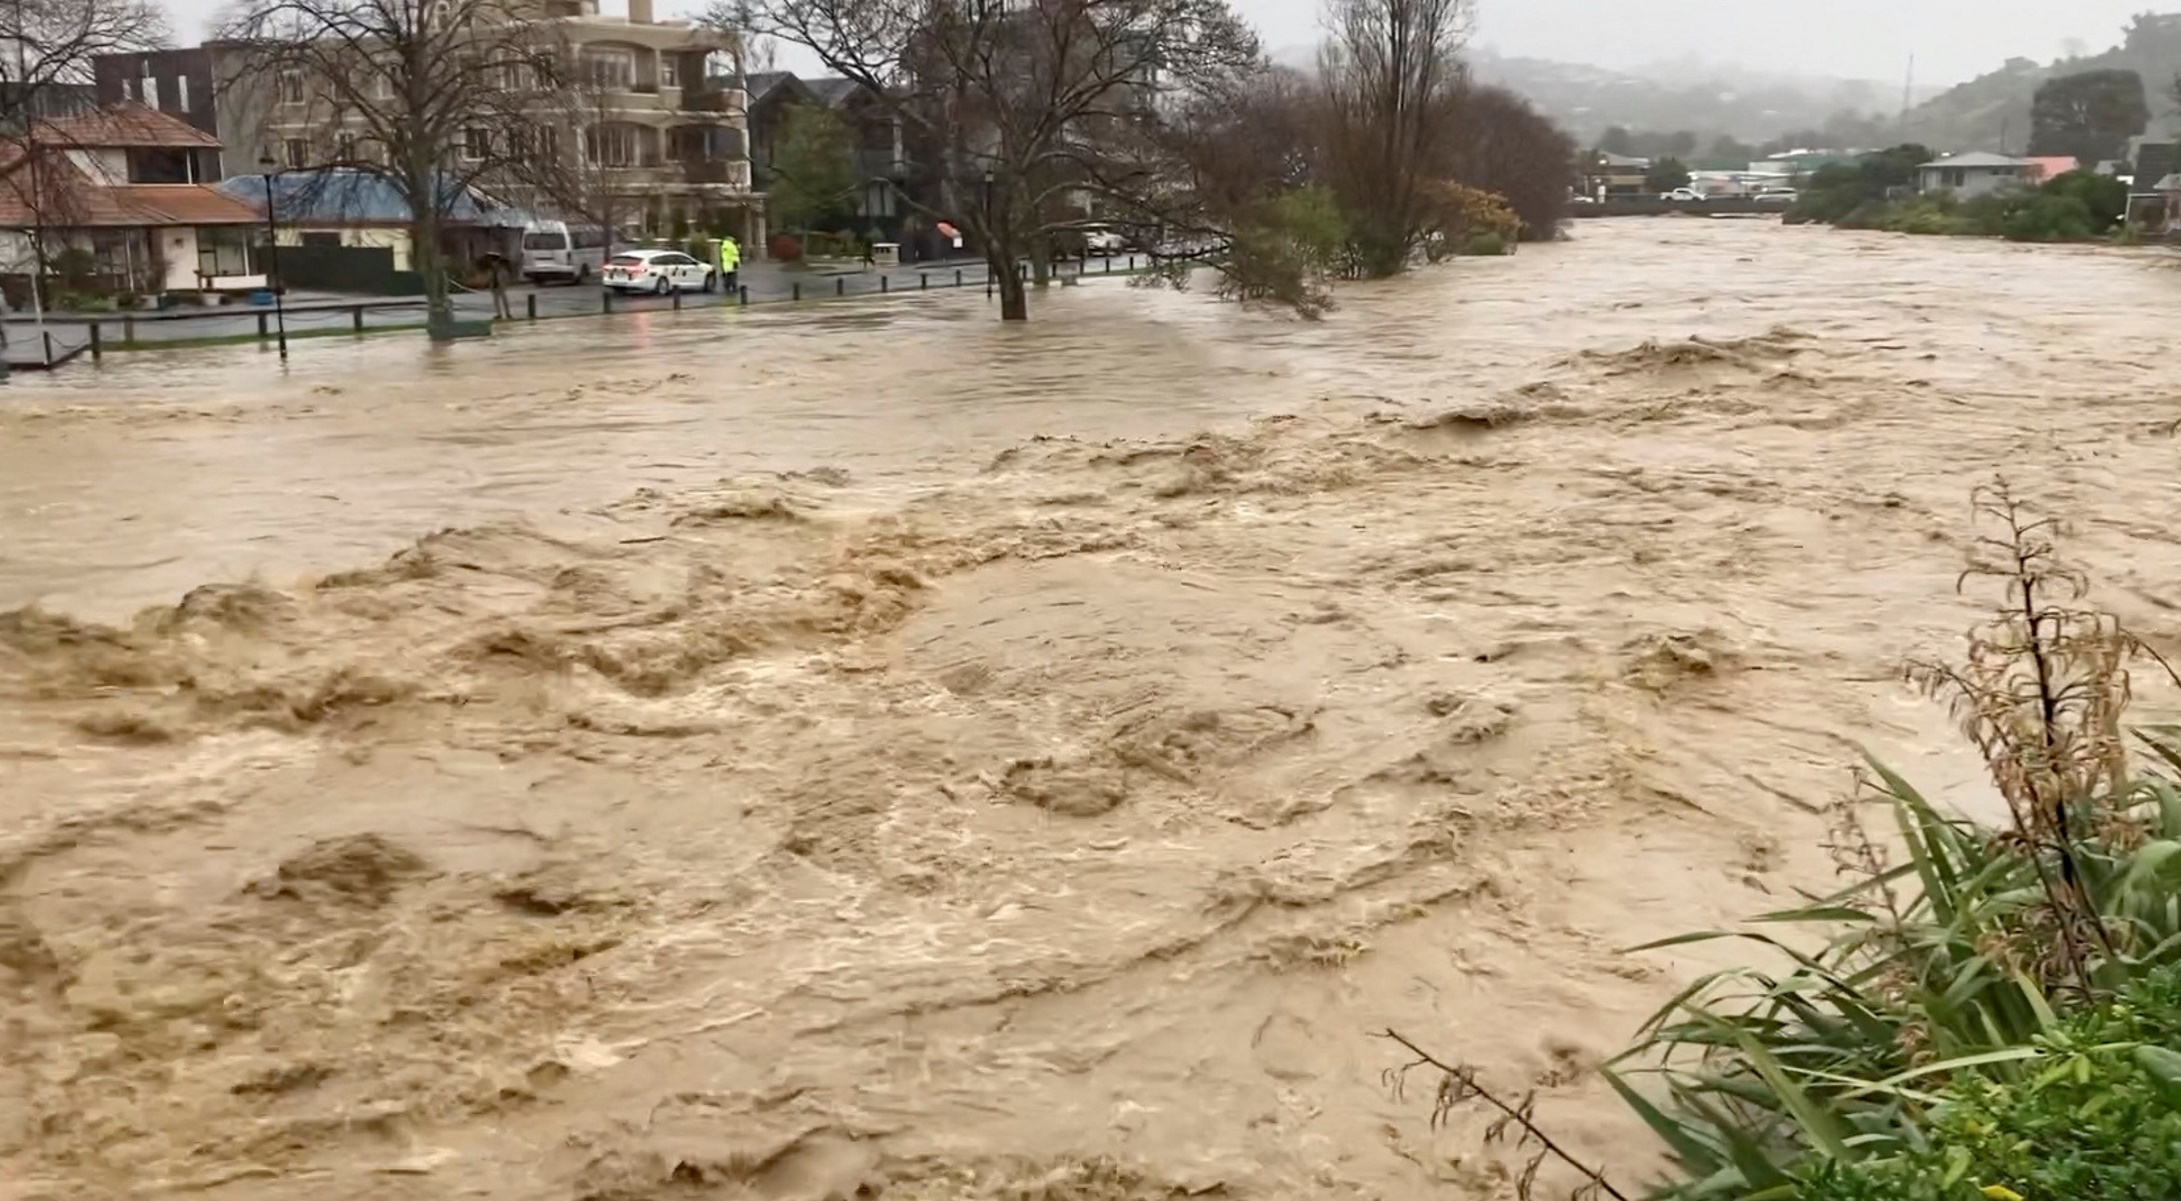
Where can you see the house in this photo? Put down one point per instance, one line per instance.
(661, 133)
(331, 208)
(2158, 210)
(2149, 161)
(877, 136)
(122, 188)
(1975, 174)
(2050, 167)
(771, 94)
(1606, 174)
(881, 153)
(214, 87)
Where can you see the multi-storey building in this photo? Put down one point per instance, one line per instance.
(661, 131)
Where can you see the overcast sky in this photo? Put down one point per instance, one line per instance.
(1952, 40)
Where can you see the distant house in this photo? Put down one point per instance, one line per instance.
(2052, 167)
(1791, 164)
(1616, 175)
(122, 188)
(343, 207)
(2159, 209)
(2150, 160)
(1975, 174)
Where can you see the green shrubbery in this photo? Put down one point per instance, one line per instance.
(2095, 1116)
(2076, 207)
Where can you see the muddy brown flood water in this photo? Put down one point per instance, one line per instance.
(866, 751)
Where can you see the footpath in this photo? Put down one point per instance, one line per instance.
(65, 336)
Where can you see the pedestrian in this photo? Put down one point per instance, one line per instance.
(730, 261)
(497, 264)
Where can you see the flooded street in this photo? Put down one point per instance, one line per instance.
(864, 750)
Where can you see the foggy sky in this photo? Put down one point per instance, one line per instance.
(1952, 40)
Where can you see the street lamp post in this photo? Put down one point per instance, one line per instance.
(272, 252)
(989, 269)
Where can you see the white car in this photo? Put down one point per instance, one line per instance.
(660, 271)
(1681, 194)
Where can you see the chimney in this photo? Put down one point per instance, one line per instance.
(640, 12)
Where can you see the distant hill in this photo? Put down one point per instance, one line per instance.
(1992, 111)
(1706, 98)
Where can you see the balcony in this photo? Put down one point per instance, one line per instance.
(730, 172)
(715, 100)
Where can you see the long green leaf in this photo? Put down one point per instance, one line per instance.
(1816, 1123)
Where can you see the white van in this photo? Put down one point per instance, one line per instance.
(554, 251)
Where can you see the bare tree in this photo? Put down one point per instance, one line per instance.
(1393, 78)
(1024, 114)
(1502, 144)
(575, 173)
(47, 57)
(441, 98)
(49, 45)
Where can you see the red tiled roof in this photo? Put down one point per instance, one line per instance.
(75, 202)
(124, 125)
(2052, 167)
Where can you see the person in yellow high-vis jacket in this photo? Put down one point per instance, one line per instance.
(730, 258)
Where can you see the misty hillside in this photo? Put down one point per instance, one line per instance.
(1992, 111)
(1706, 98)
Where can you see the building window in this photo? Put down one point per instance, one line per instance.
(291, 87)
(612, 146)
(476, 143)
(147, 88)
(611, 68)
(382, 86)
(344, 147)
(181, 92)
(296, 153)
(223, 250)
(670, 72)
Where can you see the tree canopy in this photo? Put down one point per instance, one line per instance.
(1667, 174)
(813, 168)
(2088, 116)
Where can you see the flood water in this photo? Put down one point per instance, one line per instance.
(866, 747)
(129, 483)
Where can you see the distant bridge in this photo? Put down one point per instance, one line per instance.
(1638, 206)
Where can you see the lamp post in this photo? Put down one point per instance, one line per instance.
(272, 252)
(989, 269)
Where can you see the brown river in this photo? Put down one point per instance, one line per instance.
(865, 751)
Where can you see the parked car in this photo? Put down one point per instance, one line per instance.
(660, 271)
(1681, 194)
(1780, 197)
(556, 252)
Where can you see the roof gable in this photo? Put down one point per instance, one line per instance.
(128, 125)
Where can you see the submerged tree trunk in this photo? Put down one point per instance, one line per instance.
(1006, 272)
(1041, 259)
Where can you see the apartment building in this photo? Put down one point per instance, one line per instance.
(659, 126)
(667, 130)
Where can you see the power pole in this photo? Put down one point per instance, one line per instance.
(1908, 95)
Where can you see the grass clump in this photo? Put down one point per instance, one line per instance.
(1988, 993)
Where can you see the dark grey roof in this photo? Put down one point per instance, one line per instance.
(833, 90)
(761, 83)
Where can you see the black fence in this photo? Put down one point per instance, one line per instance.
(365, 269)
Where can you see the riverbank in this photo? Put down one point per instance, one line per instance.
(876, 746)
